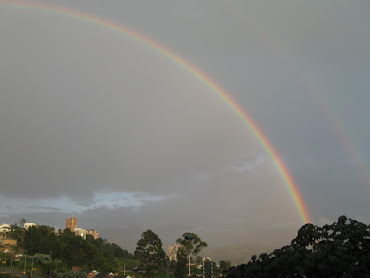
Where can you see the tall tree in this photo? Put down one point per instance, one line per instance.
(192, 243)
(149, 251)
(180, 267)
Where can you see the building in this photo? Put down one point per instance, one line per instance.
(5, 228)
(94, 233)
(8, 241)
(80, 232)
(71, 223)
(172, 251)
(27, 225)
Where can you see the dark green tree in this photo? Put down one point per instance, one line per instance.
(192, 244)
(180, 266)
(32, 238)
(149, 252)
(224, 266)
(341, 249)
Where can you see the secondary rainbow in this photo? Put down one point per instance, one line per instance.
(201, 76)
(344, 134)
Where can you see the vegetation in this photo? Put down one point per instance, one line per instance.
(149, 252)
(180, 266)
(192, 244)
(341, 249)
(57, 251)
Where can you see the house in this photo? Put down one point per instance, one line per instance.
(8, 241)
(27, 225)
(105, 275)
(95, 274)
(4, 228)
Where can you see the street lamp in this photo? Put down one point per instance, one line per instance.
(25, 260)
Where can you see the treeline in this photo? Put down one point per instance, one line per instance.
(66, 250)
(341, 249)
(56, 252)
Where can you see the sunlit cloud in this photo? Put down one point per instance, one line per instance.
(243, 166)
(108, 200)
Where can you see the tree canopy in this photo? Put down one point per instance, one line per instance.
(192, 243)
(69, 250)
(149, 251)
(341, 249)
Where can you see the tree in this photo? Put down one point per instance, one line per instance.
(32, 238)
(180, 267)
(149, 251)
(224, 266)
(21, 222)
(192, 243)
(341, 249)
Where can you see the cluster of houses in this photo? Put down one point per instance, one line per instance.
(6, 243)
(96, 274)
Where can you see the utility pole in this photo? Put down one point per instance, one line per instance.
(189, 265)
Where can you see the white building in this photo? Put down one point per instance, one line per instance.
(81, 232)
(27, 225)
(5, 228)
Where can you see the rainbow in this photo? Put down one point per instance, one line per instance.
(198, 74)
(344, 134)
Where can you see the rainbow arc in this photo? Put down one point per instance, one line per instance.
(283, 171)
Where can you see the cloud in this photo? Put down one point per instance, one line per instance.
(243, 166)
(108, 200)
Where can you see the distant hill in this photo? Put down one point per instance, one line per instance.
(237, 254)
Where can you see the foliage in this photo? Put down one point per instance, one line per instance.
(16, 232)
(341, 249)
(224, 266)
(180, 266)
(192, 243)
(149, 251)
(67, 250)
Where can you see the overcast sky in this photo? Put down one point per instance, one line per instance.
(96, 124)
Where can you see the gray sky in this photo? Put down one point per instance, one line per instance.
(96, 124)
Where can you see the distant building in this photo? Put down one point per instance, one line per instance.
(5, 228)
(172, 251)
(80, 232)
(94, 233)
(8, 241)
(71, 223)
(27, 225)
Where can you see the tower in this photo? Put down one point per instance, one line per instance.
(71, 223)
